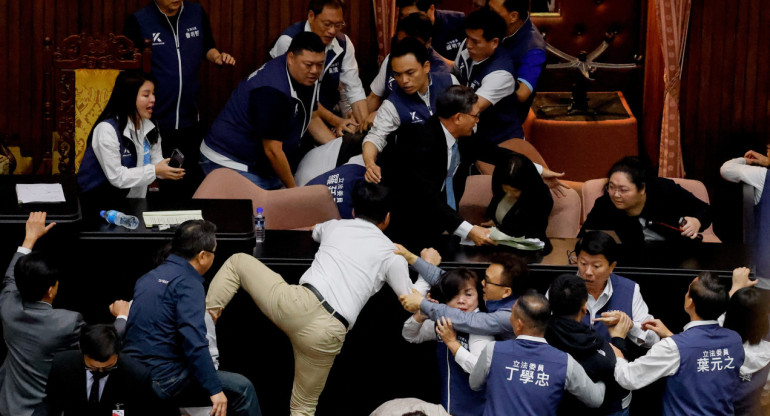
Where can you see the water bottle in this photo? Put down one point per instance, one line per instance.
(119, 218)
(259, 225)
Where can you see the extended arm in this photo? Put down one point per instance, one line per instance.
(279, 162)
(661, 360)
(480, 323)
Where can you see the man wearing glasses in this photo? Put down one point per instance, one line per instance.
(325, 19)
(110, 380)
(166, 330)
(506, 278)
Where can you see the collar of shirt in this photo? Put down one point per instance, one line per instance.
(699, 323)
(173, 258)
(144, 128)
(517, 31)
(450, 141)
(531, 338)
(596, 304)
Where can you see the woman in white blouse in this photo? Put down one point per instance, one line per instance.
(123, 153)
(457, 352)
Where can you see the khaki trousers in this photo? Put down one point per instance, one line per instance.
(315, 335)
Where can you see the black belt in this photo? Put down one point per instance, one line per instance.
(326, 305)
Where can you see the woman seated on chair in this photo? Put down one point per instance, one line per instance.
(457, 352)
(521, 201)
(123, 154)
(640, 207)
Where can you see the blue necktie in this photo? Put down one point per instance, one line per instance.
(453, 163)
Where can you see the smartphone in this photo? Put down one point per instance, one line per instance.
(177, 159)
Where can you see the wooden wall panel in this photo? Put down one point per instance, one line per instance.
(244, 28)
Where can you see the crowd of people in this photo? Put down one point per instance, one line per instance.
(453, 89)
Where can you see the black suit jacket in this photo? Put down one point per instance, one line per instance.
(128, 384)
(415, 173)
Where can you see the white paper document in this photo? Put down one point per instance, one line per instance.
(39, 192)
(152, 218)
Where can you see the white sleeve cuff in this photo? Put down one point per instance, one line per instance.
(23, 250)
(463, 230)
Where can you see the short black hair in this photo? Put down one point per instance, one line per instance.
(709, 296)
(598, 243)
(317, 6)
(492, 24)
(371, 202)
(416, 25)
(638, 172)
(451, 282)
(519, 6)
(747, 315)
(306, 41)
(35, 273)
(534, 309)
(567, 295)
(410, 46)
(99, 342)
(422, 5)
(192, 237)
(455, 99)
(515, 272)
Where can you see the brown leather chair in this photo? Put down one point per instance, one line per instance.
(285, 209)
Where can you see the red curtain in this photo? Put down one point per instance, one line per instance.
(673, 18)
(385, 18)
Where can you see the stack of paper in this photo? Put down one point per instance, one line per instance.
(153, 218)
(520, 243)
(39, 192)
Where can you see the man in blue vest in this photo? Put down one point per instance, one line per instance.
(325, 19)
(448, 31)
(416, 26)
(752, 169)
(701, 363)
(484, 67)
(412, 101)
(526, 47)
(180, 33)
(596, 259)
(259, 131)
(506, 278)
(526, 373)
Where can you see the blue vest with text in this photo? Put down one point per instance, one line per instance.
(622, 299)
(437, 66)
(499, 122)
(525, 375)
(448, 33)
(174, 109)
(329, 94)
(706, 382)
(91, 175)
(456, 394)
(411, 108)
(233, 133)
(341, 181)
(762, 221)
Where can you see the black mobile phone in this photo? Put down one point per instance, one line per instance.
(177, 159)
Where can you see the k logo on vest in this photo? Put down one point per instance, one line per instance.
(415, 117)
(156, 40)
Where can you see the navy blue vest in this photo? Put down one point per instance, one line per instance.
(622, 299)
(437, 66)
(411, 108)
(91, 175)
(341, 181)
(706, 382)
(233, 132)
(329, 94)
(524, 40)
(172, 109)
(499, 122)
(448, 33)
(762, 221)
(504, 304)
(456, 394)
(527, 376)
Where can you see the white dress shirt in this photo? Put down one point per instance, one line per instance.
(90, 382)
(353, 89)
(662, 360)
(465, 227)
(353, 262)
(494, 86)
(736, 170)
(106, 147)
(416, 332)
(639, 313)
(577, 381)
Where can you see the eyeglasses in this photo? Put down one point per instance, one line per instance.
(327, 24)
(489, 282)
(103, 370)
(476, 116)
(210, 251)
